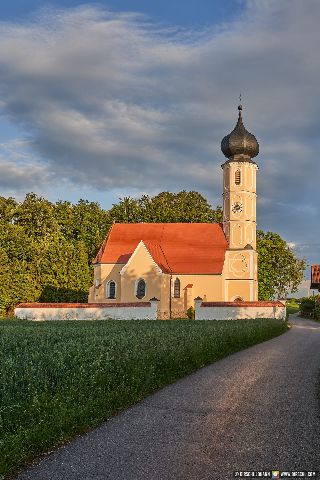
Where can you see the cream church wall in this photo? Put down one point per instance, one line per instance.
(103, 273)
(202, 285)
(237, 280)
(157, 285)
(239, 276)
(141, 265)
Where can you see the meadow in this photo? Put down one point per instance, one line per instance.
(292, 306)
(58, 379)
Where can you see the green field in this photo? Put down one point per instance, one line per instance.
(61, 378)
(292, 306)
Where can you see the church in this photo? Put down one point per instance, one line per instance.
(177, 262)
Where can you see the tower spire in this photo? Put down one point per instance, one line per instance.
(240, 142)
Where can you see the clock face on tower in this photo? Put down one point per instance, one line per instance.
(237, 207)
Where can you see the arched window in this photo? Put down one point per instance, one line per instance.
(111, 289)
(141, 289)
(237, 177)
(176, 288)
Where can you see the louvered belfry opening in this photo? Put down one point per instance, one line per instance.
(237, 177)
(176, 289)
(141, 289)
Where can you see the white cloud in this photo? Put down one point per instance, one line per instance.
(111, 102)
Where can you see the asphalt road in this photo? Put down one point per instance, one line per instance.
(255, 410)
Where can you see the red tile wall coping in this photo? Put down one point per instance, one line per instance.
(82, 305)
(243, 304)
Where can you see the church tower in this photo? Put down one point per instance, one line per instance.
(239, 213)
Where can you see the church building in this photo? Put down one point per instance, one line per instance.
(177, 262)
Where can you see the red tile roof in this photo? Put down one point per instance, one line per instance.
(178, 248)
(315, 277)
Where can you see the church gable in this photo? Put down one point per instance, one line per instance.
(141, 277)
(140, 262)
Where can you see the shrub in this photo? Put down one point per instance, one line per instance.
(310, 306)
(316, 312)
(190, 313)
(307, 305)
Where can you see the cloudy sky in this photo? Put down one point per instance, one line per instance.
(122, 97)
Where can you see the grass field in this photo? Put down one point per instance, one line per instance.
(292, 306)
(61, 378)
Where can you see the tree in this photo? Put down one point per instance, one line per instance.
(46, 249)
(63, 270)
(279, 271)
(85, 221)
(36, 215)
(18, 280)
(128, 210)
(166, 207)
(8, 208)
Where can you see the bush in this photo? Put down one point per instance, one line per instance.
(307, 305)
(316, 312)
(310, 307)
(191, 313)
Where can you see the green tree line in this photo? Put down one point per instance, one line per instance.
(46, 249)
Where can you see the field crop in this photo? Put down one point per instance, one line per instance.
(58, 379)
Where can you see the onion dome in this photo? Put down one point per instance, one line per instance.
(240, 141)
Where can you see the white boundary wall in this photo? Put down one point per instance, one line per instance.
(239, 310)
(39, 312)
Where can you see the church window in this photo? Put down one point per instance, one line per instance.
(176, 288)
(237, 177)
(141, 289)
(111, 289)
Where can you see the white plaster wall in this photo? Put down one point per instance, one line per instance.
(92, 313)
(238, 313)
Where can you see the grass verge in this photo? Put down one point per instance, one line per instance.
(58, 379)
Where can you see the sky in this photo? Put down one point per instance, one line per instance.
(101, 100)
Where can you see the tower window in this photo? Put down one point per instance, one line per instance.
(176, 288)
(111, 289)
(237, 177)
(141, 289)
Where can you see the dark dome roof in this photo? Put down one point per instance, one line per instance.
(240, 141)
